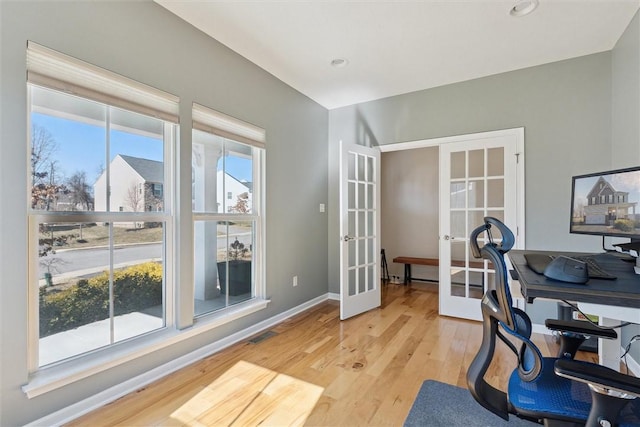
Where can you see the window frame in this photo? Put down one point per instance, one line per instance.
(36, 216)
(256, 215)
(178, 219)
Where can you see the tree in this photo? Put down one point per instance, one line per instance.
(134, 198)
(44, 188)
(80, 190)
(242, 204)
(43, 146)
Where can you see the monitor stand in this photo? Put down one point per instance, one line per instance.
(633, 249)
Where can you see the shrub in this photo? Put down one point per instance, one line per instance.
(623, 225)
(134, 288)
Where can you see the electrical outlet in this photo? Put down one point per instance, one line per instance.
(295, 281)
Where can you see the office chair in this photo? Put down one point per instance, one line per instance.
(554, 391)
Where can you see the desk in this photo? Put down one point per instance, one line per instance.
(612, 300)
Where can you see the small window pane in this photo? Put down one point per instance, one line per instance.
(495, 193)
(476, 163)
(495, 161)
(476, 194)
(458, 165)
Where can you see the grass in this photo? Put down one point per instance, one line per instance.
(91, 235)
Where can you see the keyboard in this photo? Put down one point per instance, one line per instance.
(594, 269)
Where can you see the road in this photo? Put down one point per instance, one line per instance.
(87, 262)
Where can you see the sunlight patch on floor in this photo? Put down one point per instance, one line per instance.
(249, 395)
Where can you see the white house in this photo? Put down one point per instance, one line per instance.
(228, 190)
(136, 185)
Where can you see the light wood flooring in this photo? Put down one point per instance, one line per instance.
(318, 371)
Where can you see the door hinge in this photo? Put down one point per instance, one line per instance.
(517, 157)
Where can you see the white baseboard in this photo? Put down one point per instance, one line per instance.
(334, 296)
(98, 400)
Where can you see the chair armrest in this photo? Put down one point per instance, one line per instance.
(580, 327)
(598, 375)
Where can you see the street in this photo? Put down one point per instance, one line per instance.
(87, 262)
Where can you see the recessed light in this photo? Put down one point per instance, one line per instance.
(523, 7)
(339, 62)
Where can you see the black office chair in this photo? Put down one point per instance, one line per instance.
(556, 391)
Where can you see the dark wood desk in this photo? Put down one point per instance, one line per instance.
(613, 301)
(622, 292)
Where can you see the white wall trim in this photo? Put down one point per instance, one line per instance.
(434, 142)
(333, 296)
(98, 400)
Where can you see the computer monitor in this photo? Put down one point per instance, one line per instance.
(607, 204)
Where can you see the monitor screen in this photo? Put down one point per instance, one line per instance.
(607, 203)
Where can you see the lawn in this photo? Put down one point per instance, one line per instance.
(90, 235)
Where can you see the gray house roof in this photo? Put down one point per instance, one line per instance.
(149, 170)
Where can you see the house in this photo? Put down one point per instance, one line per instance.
(136, 185)
(580, 115)
(232, 190)
(605, 204)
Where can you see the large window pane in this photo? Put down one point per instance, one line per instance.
(100, 277)
(223, 264)
(90, 298)
(136, 165)
(68, 149)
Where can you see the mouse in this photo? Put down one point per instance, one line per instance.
(567, 269)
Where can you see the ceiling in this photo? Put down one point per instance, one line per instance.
(395, 47)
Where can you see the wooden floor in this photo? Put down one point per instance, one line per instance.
(315, 370)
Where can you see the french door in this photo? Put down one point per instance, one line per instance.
(480, 175)
(359, 229)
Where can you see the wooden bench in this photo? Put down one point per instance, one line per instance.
(409, 261)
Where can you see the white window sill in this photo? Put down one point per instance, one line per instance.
(53, 377)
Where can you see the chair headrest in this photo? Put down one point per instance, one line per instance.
(503, 247)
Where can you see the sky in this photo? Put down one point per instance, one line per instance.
(81, 147)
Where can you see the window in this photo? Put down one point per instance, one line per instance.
(103, 179)
(94, 136)
(227, 159)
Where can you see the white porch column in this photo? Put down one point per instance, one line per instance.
(205, 163)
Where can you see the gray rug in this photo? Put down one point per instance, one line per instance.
(440, 404)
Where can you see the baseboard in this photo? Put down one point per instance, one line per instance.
(334, 296)
(105, 397)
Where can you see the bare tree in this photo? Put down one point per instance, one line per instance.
(134, 198)
(80, 190)
(43, 146)
(44, 188)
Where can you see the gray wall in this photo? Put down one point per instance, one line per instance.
(143, 41)
(626, 119)
(565, 108)
(410, 208)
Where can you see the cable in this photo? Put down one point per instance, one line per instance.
(587, 319)
(626, 351)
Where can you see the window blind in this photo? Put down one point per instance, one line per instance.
(54, 70)
(211, 121)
